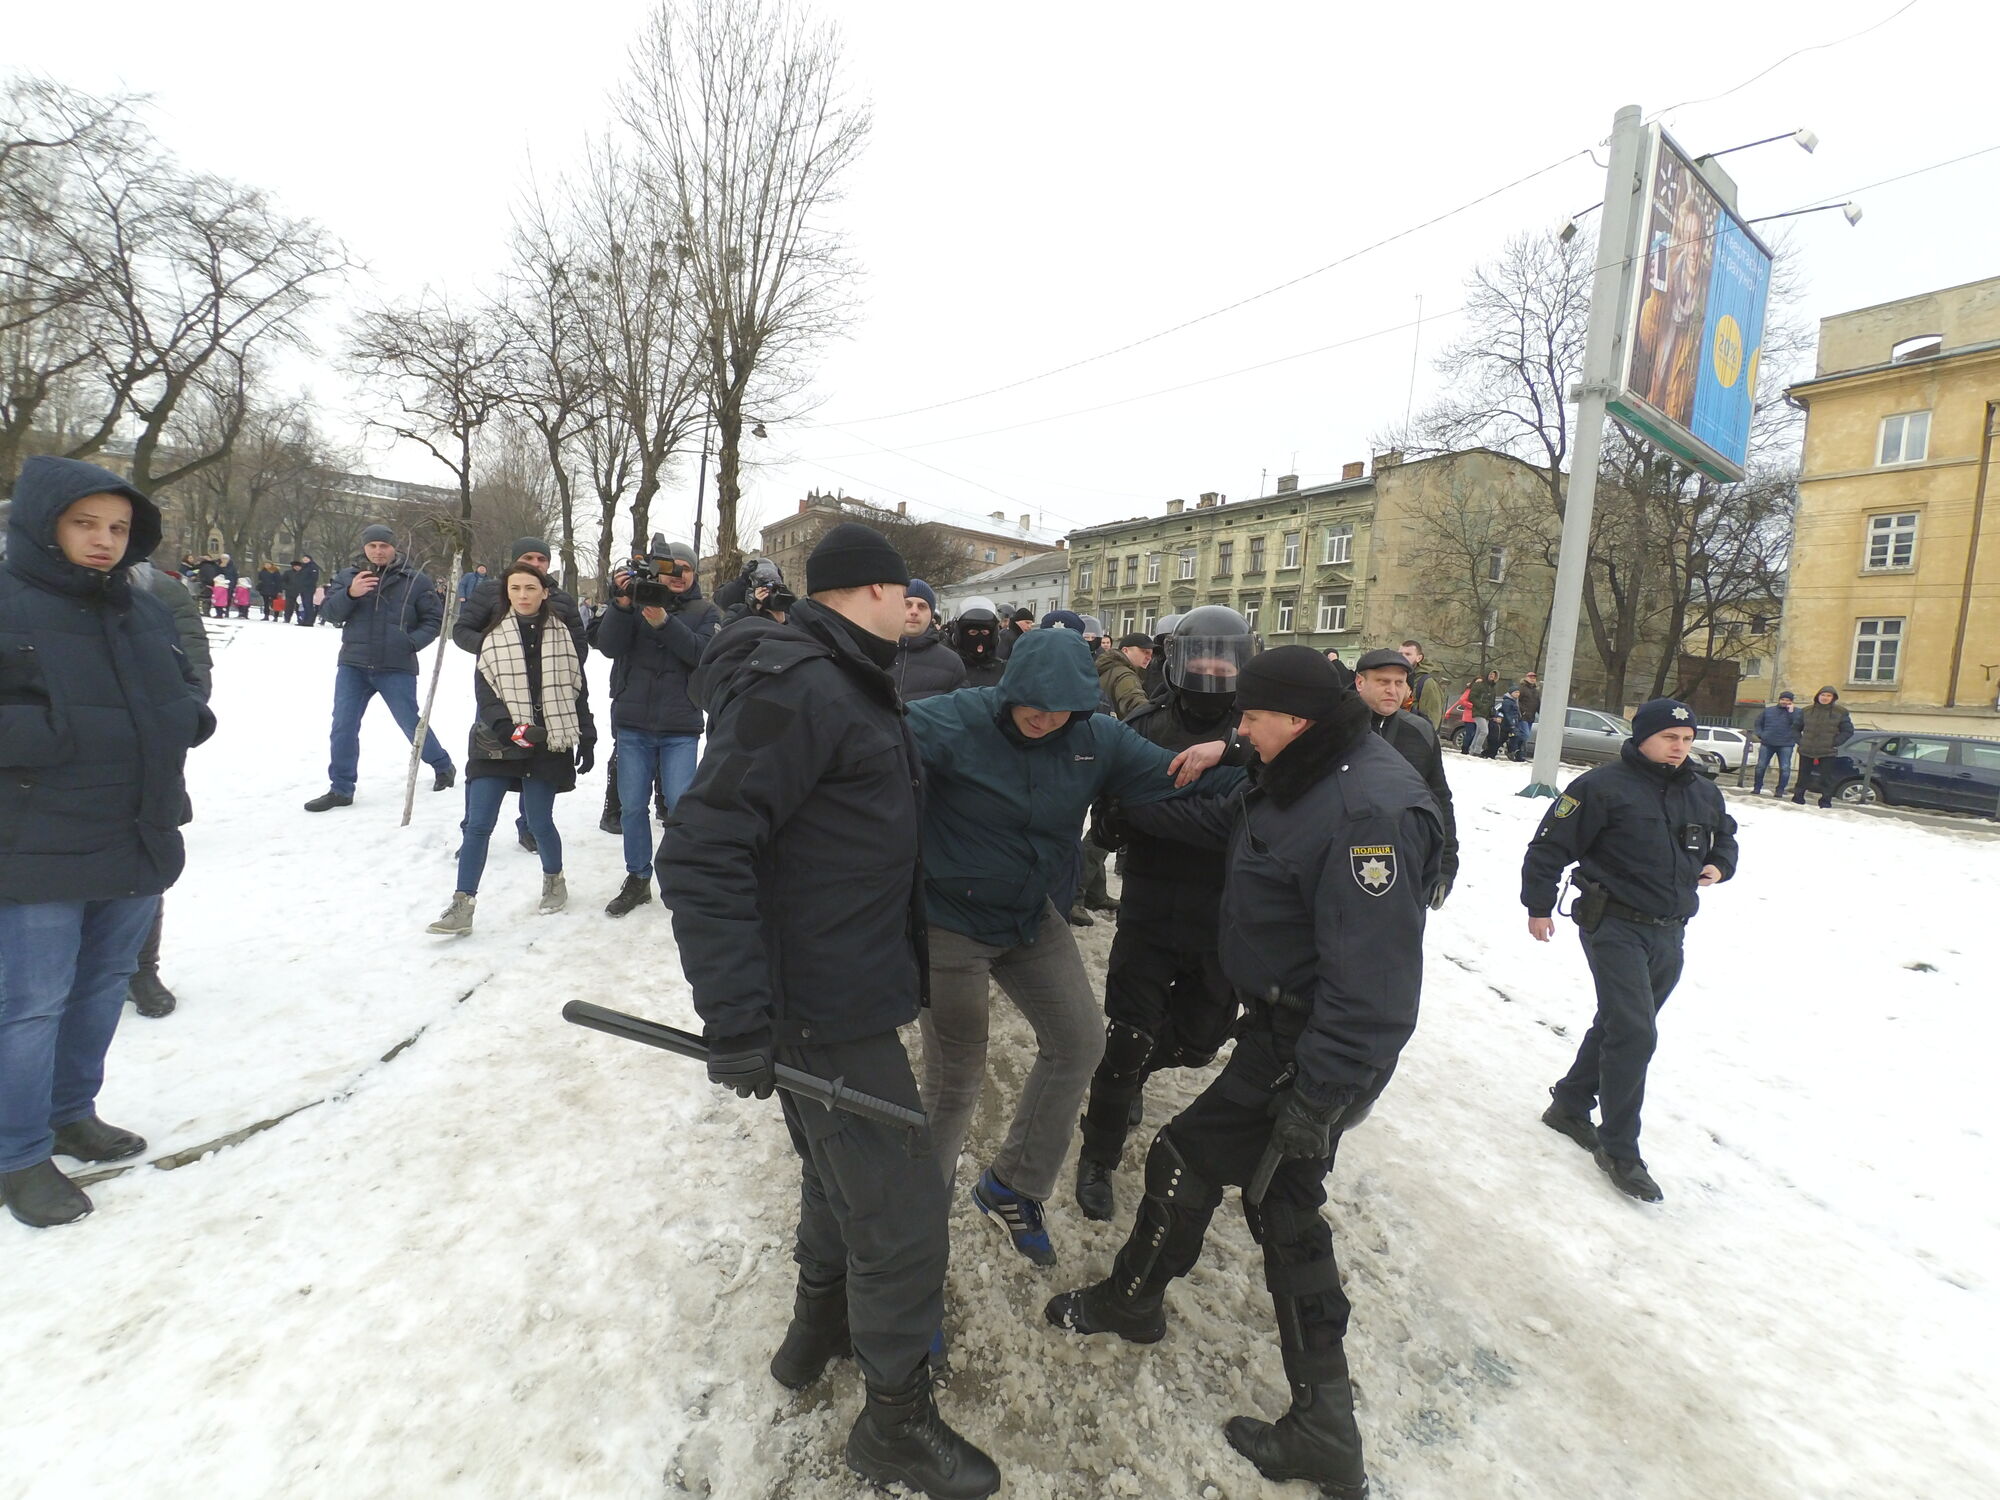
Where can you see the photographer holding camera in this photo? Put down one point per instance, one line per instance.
(654, 633)
(760, 591)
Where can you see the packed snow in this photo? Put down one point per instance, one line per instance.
(485, 1253)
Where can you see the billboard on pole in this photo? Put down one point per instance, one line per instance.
(1697, 331)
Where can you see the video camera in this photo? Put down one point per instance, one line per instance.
(765, 589)
(647, 589)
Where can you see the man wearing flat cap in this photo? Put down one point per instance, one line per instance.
(1646, 833)
(1331, 858)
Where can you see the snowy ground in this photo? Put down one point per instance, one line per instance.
(514, 1258)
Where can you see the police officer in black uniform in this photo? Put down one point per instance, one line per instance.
(1166, 1002)
(1645, 834)
(1382, 678)
(794, 874)
(1331, 857)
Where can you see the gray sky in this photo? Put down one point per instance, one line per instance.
(1049, 182)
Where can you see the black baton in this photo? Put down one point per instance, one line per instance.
(828, 1091)
(1260, 1180)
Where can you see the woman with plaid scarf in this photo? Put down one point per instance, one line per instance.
(531, 732)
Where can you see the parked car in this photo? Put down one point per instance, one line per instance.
(1945, 772)
(1592, 737)
(1733, 745)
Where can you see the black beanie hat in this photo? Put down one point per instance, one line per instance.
(852, 556)
(1293, 680)
(529, 544)
(377, 533)
(1661, 713)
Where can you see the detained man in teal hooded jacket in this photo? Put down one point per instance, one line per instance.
(1010, 772)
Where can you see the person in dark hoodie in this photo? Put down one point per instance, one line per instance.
(1646, 833)
(793, 871)
(388, 611)
(302, 588)
(1019, 623)
(975, 636)
(1823, 728)
(98, 709)
(1329, 860)
(654, 650)
(1381, 678)
(1010, 772)
(925, 665)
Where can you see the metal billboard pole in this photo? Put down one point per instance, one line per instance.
(1603, 346)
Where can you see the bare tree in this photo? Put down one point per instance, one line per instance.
(744, 136)
(1470, 546)
(447, 373)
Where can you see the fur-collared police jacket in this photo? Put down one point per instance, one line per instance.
(1332, 857)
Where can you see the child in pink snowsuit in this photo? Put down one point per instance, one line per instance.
(218, 599)
(243, 597)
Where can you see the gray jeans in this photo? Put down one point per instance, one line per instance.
(1046, 981)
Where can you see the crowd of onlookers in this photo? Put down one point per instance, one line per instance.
(291, 594)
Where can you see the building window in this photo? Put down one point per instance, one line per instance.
(1496, 565)
(1291, 558)
(1152, 576)
(990, 556)
(1284, 616)
(1906, 439)
(1225, 559)
(1126, 622)
(1753, 666)
(1147, 623)
(1877, 644)
(1251, 608)
(1132, 570)
(1892, 542)
(1489, 626)
(1187, 563)
(1339, 543)
(1333, 611)
(1110, 573)
(1760, 624)
(1083, 572)
(1033, 611)
(1255, 567)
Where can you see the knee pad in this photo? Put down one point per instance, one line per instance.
(1126, 1051)
(1170, 1179)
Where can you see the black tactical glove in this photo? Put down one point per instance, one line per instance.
(1304, 1127)
(743, 1063)
(586, 756)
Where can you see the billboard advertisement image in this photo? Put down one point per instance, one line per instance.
(1698, 321)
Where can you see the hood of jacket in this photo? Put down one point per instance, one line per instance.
(1050, 670)
(758, 645)
(48, 487)
(1829, 688)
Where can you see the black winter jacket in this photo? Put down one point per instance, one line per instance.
(652, 665)
(1412, 735)
(926, 667)
(1639, 829)
(1171, 888)
(192, 634)
(1824, 727)
(1331, 859)
(385, 629)
(486, 604)
(792, 864)
(98, 707)
(490, 748)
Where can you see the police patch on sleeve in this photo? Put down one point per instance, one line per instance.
(1374, 867)
(1566, 805)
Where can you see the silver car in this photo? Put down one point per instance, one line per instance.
(1592, 737)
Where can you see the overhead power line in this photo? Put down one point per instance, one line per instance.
(1799, 52)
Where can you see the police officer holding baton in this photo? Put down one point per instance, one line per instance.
(1645, 834)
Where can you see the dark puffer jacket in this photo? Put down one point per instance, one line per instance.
(926, 667)
(1824, 727)
(484, 604)
(652, 665)
(383, 630)
(98, 707)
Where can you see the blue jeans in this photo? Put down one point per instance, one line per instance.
(1765, 755)
(63, 968)
(483, 796)
(644, 760)
(352, 688)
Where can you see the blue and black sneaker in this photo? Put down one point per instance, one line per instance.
(1020, 1217)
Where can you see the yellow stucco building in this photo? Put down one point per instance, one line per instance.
(1894, 587)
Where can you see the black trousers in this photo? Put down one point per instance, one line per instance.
(1636, 967)
(869, 1211)
(1164, 1007)
(1217, 1142)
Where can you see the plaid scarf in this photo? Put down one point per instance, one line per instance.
(504, 665)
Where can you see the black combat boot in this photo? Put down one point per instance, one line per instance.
(612, 819)
(41, 1197)
(1100, 1309)
(90, 1139)
(1094, 1194)
(633, 894)
(1315, 1440)
(145, 988)
(818, 1334)
(900, 1438)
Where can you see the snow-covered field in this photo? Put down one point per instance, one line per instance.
(494, 1255)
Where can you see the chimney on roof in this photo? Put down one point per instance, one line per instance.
(998, 515)
(1287, 483)
(1388, 460)
(1207, 501)
(805, 504)
(1175, 507)
(902, 507)
(1027, 523)
(1353, 471)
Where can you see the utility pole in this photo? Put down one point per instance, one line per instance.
(1603, 348)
